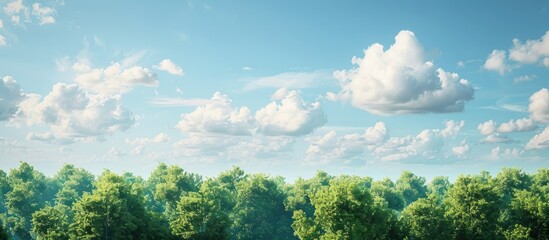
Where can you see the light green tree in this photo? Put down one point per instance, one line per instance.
(474, 206)
(344, 210)
(52, 223)
(425, 219)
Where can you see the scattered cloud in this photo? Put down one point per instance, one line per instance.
(291, 117)
(330, 147)
(400, 81)
(519, 125)
(246, 68)
(15, 9)
(218, 117)
(461, 150)
(76, 115)
(539, 106)
(497, 138)
(10, 97)
(168, 66)
(43, 14)
(3, 41)
(375, 142)
(505, 153)
(114, 79)
(529, 52)
(525, 78)
(291, 80)
(487, 128)
(539, 141)
(428, 144)
(496, 62)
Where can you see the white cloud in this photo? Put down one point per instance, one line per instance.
(539, 106)
(159, 138)
(519, 125)
(400, 81)
(3, 41)
(539, 141)
(246, 68)
(525, 78)
(44, 14)
(14, 9)
(291, 80)
(114, 79)
(487, 128)
(11, 96)
(496, 138)
(1, 24)
(428, 144)
(76, 115)
(168, 66)
(218, 117)
(291, 117)
(496, 62)
(532, 51)
(461, 150)
(498, 153)
(329, 146)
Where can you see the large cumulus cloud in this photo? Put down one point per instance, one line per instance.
(400, 81)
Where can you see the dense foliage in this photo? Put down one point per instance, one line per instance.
(175, 204)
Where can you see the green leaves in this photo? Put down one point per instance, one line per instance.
(175, 204)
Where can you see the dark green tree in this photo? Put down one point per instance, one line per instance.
(259, 212)
(411, 187)
(386, 190)
(73, 183)
(29, 193)
(438, 187)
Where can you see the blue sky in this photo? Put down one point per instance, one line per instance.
(287, 88)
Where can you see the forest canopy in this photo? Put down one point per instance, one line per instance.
(175, 204)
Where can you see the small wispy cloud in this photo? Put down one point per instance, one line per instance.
(291, 80)
(178, 102)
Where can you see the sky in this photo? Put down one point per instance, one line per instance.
(369, 88)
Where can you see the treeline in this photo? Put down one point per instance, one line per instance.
(175, 204)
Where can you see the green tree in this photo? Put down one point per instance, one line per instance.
(386, 190)
(301, 192)
(29, 193)
(411, 187)
(73, 183)
(474, 207)
(51, 223)
(259, 212)
(199, 216)
(344, 210)
(425, 219)
(438, 187)
(172, 185)
(3, 232)
(112, 211)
